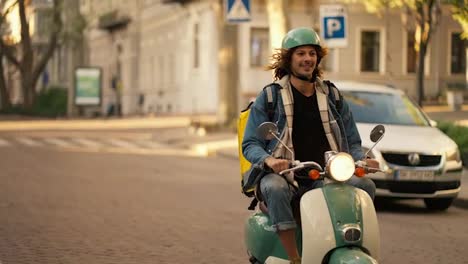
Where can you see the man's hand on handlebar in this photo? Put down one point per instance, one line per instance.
(277, 165)
(372, 165)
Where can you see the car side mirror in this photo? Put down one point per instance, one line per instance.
(433, 123)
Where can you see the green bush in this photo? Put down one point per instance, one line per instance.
(14, 110)
(51, 102)
(457, 133)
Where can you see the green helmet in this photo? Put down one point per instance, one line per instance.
(300, 37)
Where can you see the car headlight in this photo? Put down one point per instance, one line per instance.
(341, 167)
(453, 154)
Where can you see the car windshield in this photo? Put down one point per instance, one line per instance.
(384, 108)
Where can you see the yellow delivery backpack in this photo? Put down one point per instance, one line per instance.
(245, 166)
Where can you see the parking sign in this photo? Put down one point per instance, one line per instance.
(333, 27)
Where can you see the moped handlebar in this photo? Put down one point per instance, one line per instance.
(297, 165)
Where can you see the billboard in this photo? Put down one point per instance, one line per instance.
(88, 86)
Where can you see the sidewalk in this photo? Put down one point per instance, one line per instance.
(105, 123)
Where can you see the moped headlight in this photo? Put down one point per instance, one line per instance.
(341, 167)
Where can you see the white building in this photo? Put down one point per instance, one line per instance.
(172, 54)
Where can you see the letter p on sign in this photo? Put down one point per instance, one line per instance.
(334, 27)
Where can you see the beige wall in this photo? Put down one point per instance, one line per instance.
(158, 53)
(157, 57)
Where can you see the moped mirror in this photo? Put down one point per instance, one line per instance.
(377, 133)
(267, 130)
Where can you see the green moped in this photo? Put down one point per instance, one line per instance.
(338, 221)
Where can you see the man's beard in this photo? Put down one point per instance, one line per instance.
(304, 77)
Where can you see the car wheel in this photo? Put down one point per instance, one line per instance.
(438, 204)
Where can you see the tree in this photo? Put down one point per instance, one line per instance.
(4, 93)
(278, 21)
(23, 56)
(426, 15)
(460, 14)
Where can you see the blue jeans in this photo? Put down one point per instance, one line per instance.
(277, 194)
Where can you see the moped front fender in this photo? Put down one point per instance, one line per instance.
(348, 255)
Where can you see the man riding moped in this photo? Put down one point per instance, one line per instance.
(312, 118)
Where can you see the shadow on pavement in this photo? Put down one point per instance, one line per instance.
(461, 203)
(406, 206)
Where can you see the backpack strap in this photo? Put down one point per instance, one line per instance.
(270, 102)
(253, 204)
(322, 101)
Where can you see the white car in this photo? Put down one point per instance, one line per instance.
(418, 159)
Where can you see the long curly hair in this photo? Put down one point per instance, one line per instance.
(281, 62)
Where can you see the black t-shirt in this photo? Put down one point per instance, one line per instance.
(309, 140)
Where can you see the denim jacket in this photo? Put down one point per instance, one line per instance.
(256, 150)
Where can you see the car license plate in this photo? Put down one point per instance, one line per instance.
(409, 175)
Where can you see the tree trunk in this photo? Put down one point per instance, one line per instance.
(278, 21)
(28, 88)
(5, 101)
(420, 72)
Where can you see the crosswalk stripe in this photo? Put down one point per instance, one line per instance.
(87, 142)
(3, 143)
(28, 142)
(151, 144)
(57, 141)
(98, 144)
(121, 143)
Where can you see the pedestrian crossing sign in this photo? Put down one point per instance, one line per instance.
(237, 11)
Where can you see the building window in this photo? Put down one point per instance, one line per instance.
(457, 54)
(196, 46)
(370, 51)
(43, 22)
(259, 47)
(411, 54)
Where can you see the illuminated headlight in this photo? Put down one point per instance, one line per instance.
(453, 154)
(341, 167)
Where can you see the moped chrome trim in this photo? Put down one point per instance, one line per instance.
(351, 233)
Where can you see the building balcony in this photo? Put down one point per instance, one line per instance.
(113, 20)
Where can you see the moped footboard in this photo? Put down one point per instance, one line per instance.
(336, 216)
(261, 239)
